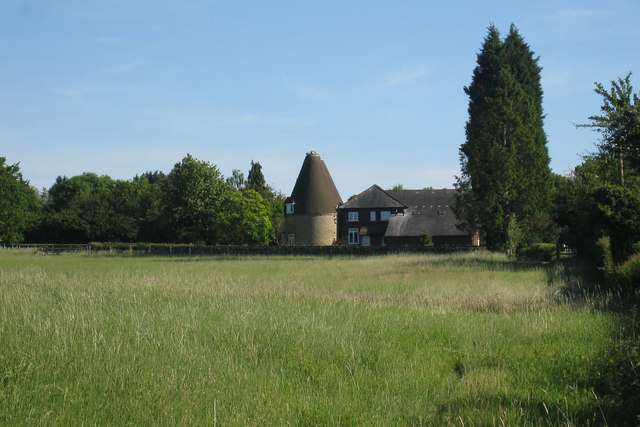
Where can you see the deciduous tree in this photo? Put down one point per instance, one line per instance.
(196, 197)
(18, 203)
(619, 123)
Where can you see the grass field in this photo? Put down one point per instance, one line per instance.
(466, 339)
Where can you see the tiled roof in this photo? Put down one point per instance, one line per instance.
(429, 210)
(314, 191)
(373, 197)
(422, 199)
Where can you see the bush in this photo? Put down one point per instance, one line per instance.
(539, 251)
(628, 273)
(599, 253)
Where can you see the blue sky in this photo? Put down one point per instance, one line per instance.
(119, 87)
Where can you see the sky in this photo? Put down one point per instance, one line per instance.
(120, 87)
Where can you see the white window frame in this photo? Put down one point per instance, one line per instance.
(353, 216)
(291, 239)
(288, 208)
(385, 215)
(366, 240)
(372, 216)
(354, 236)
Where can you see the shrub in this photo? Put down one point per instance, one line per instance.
(539, 251)
(628, 273)
(427, 240)
(601, 255)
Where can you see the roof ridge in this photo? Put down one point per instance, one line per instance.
(394, 198)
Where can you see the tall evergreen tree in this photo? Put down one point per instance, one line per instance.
(504, 161)
(255, 179)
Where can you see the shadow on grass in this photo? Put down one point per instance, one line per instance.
(616, 377)
(234, 258)
(487, 262)
(531, 412)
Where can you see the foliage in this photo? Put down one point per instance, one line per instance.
(514, 236)
(195, 199)
(255, 179)
(154, 224)
(248, 216)
(85, 208)
(538, 251)
(504, 161)
(427, 239)
(628, 273)
(619, 124)
(617, 209)
(276, 201)
(89, 207)
(192, 204)
(18, 203)
(236, 180)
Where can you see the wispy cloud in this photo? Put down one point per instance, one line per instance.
(307, 91)
(409, 74)
(82, 90)
(120, 68)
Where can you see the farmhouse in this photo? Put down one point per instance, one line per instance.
(315, 214)
(402, 218)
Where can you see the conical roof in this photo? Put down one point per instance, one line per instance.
(315, 192)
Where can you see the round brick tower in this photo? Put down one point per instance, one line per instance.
(310, 212)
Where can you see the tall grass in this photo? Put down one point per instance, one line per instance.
(467, 339)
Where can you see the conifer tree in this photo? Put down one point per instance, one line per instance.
(255, 179)
(504, 161)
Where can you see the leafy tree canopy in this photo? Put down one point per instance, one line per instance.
(196, 196)
(18, 203)
(619, 123)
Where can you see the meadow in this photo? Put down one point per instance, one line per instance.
(460, 339)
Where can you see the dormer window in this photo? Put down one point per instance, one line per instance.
(288, 208)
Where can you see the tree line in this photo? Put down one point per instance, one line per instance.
(191, 204)
(506, 189)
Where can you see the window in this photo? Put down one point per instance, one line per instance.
(292, 239)
(354, 236)
(366, 241)
(288, 208)
(372, 216)
(353, 216)
(385, 215)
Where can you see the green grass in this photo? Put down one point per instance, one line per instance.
(467, 339)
